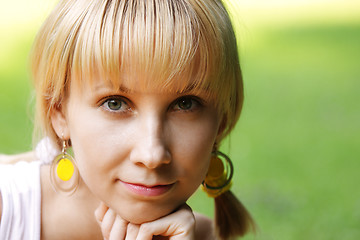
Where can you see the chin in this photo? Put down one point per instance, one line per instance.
(146, 212)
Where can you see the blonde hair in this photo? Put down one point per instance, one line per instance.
(176, 44)
(191, 40)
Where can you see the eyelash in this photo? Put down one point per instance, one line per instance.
(195, 104)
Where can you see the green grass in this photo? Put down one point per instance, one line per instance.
(301, 132)
(15, 99)
(295, 149)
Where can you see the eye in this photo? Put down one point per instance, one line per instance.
(187, 103)
(115, 104)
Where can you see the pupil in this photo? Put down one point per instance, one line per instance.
(185, 103)
(114, 104)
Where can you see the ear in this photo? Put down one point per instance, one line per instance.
(222, 127)
(59, 123)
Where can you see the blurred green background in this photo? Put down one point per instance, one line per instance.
(296, 147)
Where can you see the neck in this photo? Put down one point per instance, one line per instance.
(71, 217)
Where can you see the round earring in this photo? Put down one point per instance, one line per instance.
(64, 174)
(218, 178)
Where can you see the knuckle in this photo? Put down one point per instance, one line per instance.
(145, 228)
(98, 216)
(189, 220)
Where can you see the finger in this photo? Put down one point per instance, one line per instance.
(132, 231)
(118, 230)
(179, 225)
(107, 223)
(100, 212)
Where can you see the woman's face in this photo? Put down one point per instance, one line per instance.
(142, 152)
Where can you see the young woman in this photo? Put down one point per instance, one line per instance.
(143, 91)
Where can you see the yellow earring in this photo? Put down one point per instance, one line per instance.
(65, 168)
(64, 173)
(218, 178)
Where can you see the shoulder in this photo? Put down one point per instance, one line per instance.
(11, 159)
(0, 206)
(204, 227)
(20, 197)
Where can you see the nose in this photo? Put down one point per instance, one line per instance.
(150, 147)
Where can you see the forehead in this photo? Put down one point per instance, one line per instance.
(139, 83)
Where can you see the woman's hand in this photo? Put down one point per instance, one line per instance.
(179, 225)
(112, 226)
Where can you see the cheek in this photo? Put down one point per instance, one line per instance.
(195, 136)
(95, 142)
(193, 145)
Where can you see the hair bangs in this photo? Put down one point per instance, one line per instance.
(176, 45)
(128, 42)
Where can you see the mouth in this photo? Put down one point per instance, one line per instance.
(147, 191)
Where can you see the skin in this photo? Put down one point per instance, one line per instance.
(139, 136)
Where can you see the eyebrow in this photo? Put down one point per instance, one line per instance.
(124, 89)
(107, 87)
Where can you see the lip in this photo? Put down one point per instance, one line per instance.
(147, 191)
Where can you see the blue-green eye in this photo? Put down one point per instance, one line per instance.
(187, 103)
(115, 105)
